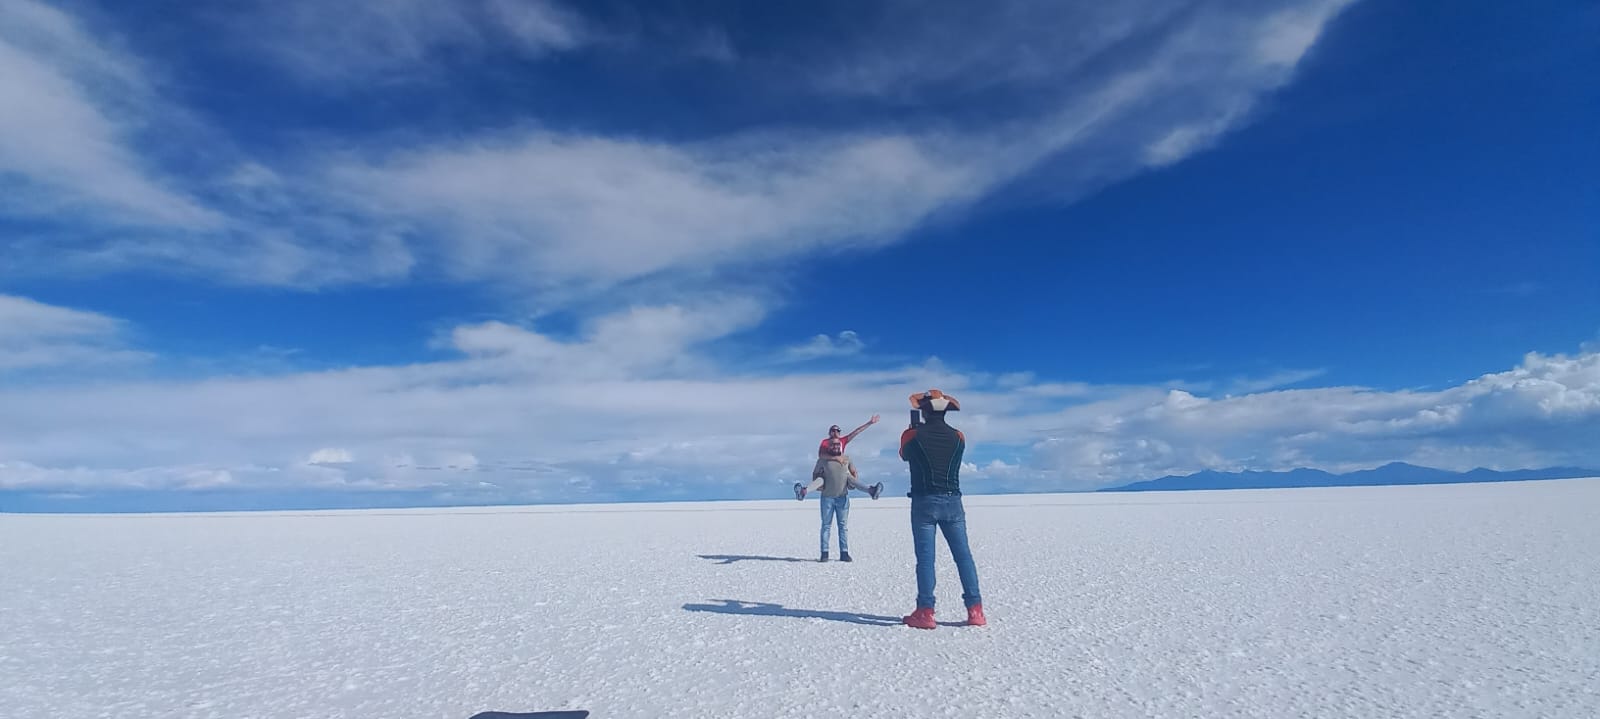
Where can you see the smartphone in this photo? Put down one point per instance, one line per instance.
(916, 418)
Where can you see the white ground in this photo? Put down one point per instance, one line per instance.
(1458, 601)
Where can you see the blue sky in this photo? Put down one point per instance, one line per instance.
(405, 252)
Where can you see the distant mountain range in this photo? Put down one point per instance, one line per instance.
(1392, 473)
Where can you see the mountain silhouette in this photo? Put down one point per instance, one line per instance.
(1392, 473)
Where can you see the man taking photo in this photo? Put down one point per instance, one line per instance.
(933, 452)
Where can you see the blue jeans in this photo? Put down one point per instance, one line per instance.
(836, 508)
(929, 515)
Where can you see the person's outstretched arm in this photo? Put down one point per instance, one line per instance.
(862, 428)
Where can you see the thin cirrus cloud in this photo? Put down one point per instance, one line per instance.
(355, 44)
(540, 208)
(34, 335)
(71, 113)
(559, 207)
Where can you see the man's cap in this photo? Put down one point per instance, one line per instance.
(935, 401)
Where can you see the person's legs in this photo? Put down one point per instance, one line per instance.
(923, 538)
(841, 510)
(872, 490)
(826, 507)
(954, 526)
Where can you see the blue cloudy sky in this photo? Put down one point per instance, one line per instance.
(299, 253)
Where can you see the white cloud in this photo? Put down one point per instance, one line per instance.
(330, 455)
(629, 401)
(572, 214)
(70, 115)
(385, 41)
(547, 208)
(35, 335)
(1289, 34)
(635, 400)
(538, 27)
(1185, 140)
(1274, 380)
(929, 50)
(558, 208)
(1536, 414)
(28, 477)
(633, 342)
(844, 344)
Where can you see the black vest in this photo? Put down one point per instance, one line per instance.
(934, 454)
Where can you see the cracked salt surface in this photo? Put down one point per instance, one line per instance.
(1453, 600)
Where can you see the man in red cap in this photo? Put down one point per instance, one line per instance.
(933, 451)
(833, 446)
(820, 471)
(843, 442)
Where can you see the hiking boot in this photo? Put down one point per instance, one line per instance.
(875, 490)
(921, 619)
(844, 556)
(799, 491)
(824, 557)
(975, 616)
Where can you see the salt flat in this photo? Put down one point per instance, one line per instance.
(1457, 600)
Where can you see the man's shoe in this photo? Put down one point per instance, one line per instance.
(875, 490)
(921, 619)
(799, 491)
(844, 556)
(975, 616)
(824, 557)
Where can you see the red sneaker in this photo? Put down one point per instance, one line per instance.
(975, 616)
(921, 619)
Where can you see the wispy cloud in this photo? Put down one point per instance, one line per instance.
(71, 112)
(551, 208)
(554, 208)
(925, 52)
(583, 211)
(390, 41)
(1281, 378)
(36, 335)
(844, 344)
(562, 207)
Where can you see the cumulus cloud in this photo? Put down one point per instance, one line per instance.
(638, 341)
(1533, 415)
(636, 401)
